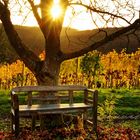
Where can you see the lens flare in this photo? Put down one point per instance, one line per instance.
(56, 9)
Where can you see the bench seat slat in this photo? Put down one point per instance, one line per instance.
(52, 107)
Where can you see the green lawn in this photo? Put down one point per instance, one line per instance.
(4, 103)
(127, 103)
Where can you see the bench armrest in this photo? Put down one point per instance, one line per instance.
(93, 98)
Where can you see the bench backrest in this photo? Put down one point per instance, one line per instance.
(47, 94)
(49, 88)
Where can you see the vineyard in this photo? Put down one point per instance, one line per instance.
(112, 70)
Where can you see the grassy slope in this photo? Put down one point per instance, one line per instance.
(71, 40)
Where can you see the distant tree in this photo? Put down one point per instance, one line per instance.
(107, 12)
(90, 66)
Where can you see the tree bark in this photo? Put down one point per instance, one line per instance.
(48, 72)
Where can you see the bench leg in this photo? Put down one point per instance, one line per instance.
(95, 103)
(41, 117)
(33, 122)
(12, 123)
(85, 117)
(15, 123)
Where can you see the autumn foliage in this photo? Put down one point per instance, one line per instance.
(108, 70)
(113, 133)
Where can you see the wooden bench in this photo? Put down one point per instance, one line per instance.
(43, 100)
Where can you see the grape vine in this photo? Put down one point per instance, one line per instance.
(112, 70)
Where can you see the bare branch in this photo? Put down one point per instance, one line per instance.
(28, 57)
(35, 12)
(104, 41)
(93, 9)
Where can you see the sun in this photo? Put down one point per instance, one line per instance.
(56, 9)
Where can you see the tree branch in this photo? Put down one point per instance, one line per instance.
(102, 42)
(99, 11)
(36, 15)
(27, 56)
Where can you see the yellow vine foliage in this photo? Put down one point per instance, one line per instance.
(119, 69)
(127, 66)
(15, 74)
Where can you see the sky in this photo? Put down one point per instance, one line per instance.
(81, 21)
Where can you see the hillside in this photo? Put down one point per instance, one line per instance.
(82, 39)
(71, 40)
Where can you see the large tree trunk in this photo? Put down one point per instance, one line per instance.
(50, 68)
(48, 73)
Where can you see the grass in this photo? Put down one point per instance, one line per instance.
(4, 102)
(127, 102)
(128, 111)
(135, 124)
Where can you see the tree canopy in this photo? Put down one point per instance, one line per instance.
(104, 13)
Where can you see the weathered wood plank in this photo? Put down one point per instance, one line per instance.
(48, 88)
(15, 113)
(29, 98)
(91, 90)
(44, 99)
(85, 96)
(89, 101)
(52, 107)
(95, 102)
(61, 112)
(71, 97)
